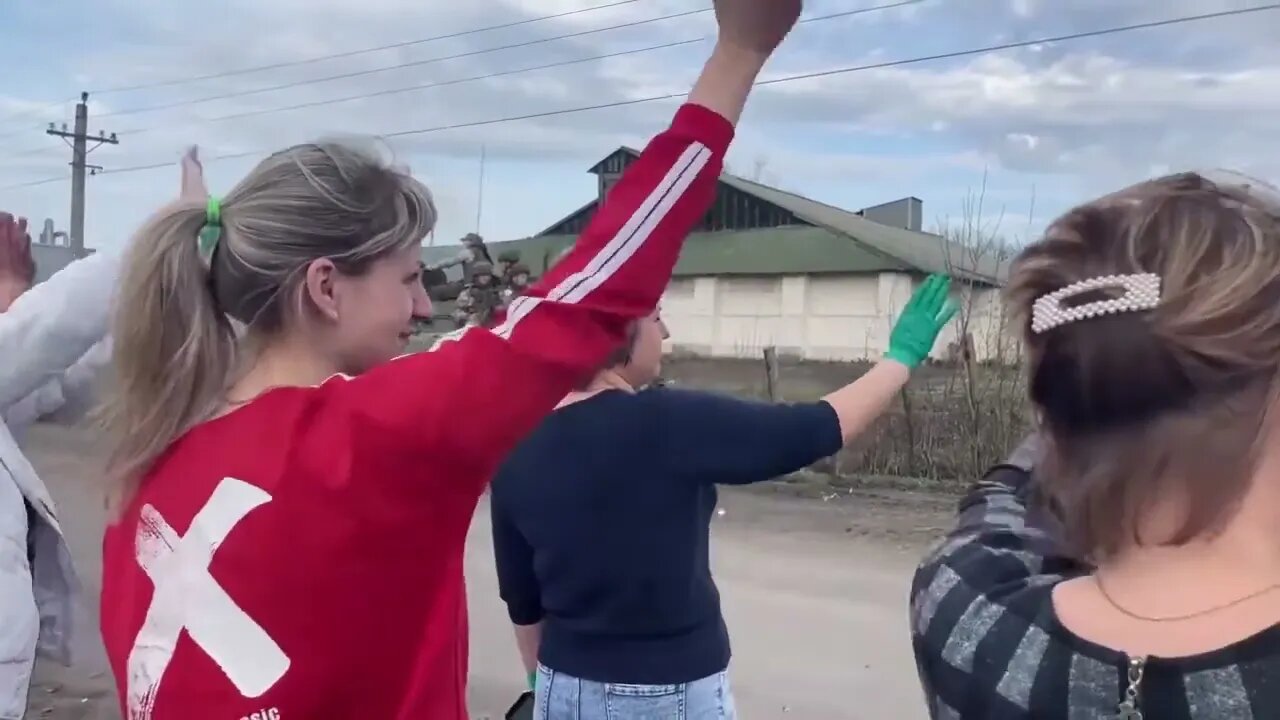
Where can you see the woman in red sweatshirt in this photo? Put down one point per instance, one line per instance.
(290, 532)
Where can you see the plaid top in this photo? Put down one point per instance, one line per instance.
(988, 645)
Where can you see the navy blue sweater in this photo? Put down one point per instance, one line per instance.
(601, 524)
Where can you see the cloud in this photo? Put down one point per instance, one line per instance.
(1081, 113)
(1068, 119)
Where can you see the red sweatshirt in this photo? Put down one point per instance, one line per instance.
(301, 557)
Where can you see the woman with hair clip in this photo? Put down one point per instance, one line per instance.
(1137, 573)
(294, 502)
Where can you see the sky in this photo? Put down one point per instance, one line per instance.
(1002, 141)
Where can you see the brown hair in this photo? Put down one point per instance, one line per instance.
(1171, 402)
(175, 344)
(620, 355)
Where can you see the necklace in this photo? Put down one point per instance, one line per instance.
(1097, 580)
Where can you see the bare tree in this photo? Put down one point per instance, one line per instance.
(759, 172)
(758, 168)
(978, 255)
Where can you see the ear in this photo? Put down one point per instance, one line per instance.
(319, 286)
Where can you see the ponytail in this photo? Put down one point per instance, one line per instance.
(174, 349)
(174, 338)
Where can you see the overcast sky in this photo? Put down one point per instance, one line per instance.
(1057, 122)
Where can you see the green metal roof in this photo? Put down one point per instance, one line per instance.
(921, 251)
(795, 250)
(791, 250)
(836, 241)
(925, 252)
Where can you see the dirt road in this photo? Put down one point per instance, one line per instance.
(814, 592)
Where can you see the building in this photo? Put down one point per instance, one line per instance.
(51, 251)
(768, 267)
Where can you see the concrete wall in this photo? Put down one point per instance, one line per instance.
(815, 317)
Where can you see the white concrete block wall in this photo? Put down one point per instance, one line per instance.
(749, 315)
(689, 310)
(794, 295)
(819, 317)
(991, 327)
(843, 317)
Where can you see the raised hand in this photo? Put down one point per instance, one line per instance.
(750, 30)
(17, 267)
(193, 185)
(756, 25)
(927, 312)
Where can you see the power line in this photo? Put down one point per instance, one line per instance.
(497, 74)
(34, 150)
(28, 113)
(307, 61)
(400, 66)
(774, 81)
(397, 91)
(363, 51)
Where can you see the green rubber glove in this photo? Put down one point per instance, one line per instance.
(927, 312)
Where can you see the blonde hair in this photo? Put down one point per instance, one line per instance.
(1171, 402)
(175, 343)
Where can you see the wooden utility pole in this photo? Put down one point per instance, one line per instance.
(480, 191)
(772, 387)
(79, 142)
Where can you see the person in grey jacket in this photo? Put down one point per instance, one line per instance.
(46, 335)
(52, 349)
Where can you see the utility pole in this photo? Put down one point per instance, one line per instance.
(79, 141)
(480, 193)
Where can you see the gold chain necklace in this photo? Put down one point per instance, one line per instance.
(1097, 580)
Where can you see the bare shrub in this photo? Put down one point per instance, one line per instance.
(929, 435)
(959, 415)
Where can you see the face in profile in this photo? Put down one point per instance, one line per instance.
(370, 316)
(646, 353)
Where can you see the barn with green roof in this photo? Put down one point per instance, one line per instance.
(767, 267)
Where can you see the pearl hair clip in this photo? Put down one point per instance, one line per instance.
(1141, 292)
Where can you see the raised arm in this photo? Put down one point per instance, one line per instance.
(52, 325)
(712, 438)
(557, 334)
(66, 398)
(722, 440)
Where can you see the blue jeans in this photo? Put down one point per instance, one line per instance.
(563, 697)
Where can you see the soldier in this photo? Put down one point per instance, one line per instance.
(519, 278)
(462, 309)
(482, 275)
(506, 261)
(485, 294)
(479, 253)
(473, 253)
(517, 281)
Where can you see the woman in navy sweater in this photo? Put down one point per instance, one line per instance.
(601, 522)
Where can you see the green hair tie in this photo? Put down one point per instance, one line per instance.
(211, 231)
